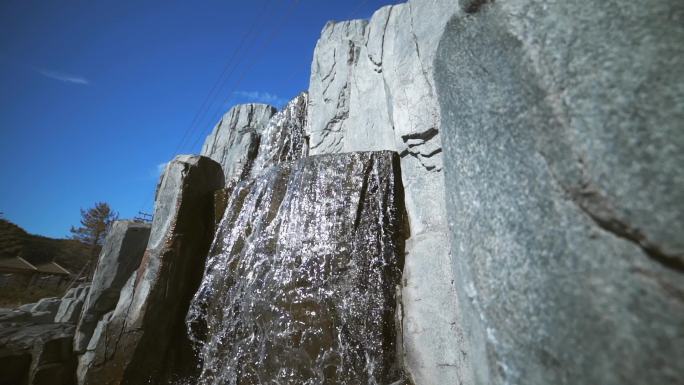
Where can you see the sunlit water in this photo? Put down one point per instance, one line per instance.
(301, 279)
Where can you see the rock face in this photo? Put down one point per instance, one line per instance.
(120, 257)
(564, 161)
(283, 139)
(561, 181)
(72, 302)
(253, 137)
(301, 283)
(50, 305)
(235, 140)
(42, 312)
(36, 354)
(143, 340)
(372, 88)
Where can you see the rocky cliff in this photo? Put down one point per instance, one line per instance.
(143, 340)
(471, 192)
(562, 132)
(372, 88)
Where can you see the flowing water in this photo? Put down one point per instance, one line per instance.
(300, 285)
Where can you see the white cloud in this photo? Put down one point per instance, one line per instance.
(261, 97)
(63, 77)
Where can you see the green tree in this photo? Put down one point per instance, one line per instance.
(95, 222)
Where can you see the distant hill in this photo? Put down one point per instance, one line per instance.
(15, 241)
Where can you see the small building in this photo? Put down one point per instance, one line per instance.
(18, 271)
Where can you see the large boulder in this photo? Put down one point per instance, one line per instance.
(120, 257)
(144, 340)
(37, 354)
(372, 88)
(301, 284)
(234, 141)
(564, 161)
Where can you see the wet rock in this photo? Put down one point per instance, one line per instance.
(283, 139)
(564, 161)
(36, 354)
(301, 282)
(234, 142)
(70, 308)
(120, 257)
(372, 88)
(144, 339)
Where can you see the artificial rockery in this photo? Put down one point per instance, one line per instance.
(469, 193)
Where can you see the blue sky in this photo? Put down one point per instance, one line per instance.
(96, 95)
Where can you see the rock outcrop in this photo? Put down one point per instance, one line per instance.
(253, 137)
(71, 304)
(235, 141)
(283, 139)
(120, 257)
(36, 354)
(372, 88)
(301, 283)
(542, 246)
(564, 161)
(143, 340)
(47, 305)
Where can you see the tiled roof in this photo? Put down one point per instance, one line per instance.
(52, 268)
(20, 265)
(16, 263)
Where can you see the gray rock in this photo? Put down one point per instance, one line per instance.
(234, 142)
(36, 354)
(50, 305)
(283, 139)
(300, 284)
(26, 307)
(14, 315)
(90, 357)
(144, 339)
(70, 308)
(372, 88)
(120, 257)
(564, 154)
(42, 317)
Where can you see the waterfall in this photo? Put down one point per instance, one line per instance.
(300, 285)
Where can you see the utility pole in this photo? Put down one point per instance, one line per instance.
(143, 217)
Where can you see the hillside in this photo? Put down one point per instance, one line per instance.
(15, 241)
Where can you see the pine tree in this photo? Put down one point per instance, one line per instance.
(95, 222)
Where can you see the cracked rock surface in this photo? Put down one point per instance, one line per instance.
(120, 257)
(234, 141)
(564, 163)
(71, 305)
(143, 340)
(372, 88)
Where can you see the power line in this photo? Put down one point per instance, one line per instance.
(230, 66)
(263, 47)
(228, 69)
